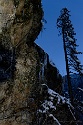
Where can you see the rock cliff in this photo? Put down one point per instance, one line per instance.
(20, 24)
(24, 67)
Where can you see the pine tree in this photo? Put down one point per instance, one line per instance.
(69, 42)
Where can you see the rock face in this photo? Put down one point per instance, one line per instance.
(23, 68)
(20, 18)
(20, 24)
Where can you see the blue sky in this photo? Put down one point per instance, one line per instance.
(49, 39)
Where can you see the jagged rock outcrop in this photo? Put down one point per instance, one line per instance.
(20, 24)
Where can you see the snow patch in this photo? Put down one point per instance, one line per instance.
(51, 115)
(48, 105)
(80, 89)
(70, 39)
(60, 98)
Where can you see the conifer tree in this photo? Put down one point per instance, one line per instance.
(66, 29)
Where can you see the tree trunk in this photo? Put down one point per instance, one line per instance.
(67, 70)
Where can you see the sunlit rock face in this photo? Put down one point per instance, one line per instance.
(19, 19)
(7, 13)
(20, 24)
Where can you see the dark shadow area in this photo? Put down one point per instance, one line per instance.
(7, 63)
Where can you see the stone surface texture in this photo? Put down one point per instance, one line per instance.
(20, 24)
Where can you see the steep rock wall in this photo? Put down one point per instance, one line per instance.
(20, 24)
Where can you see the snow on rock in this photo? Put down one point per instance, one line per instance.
(49, 105)
(52, 96)
(51, 115)
(80, 89)
(60, 98)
